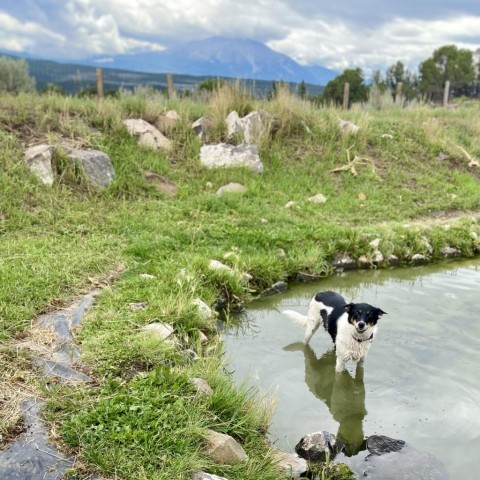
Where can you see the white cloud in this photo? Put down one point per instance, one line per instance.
(370, 34)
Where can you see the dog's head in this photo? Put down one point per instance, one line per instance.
(363, 316)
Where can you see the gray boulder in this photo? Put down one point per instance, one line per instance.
(292, 465)
(202, 126)
(96, 165)
(225, 155)
(314, 447)
(396, 460)
(39, 161)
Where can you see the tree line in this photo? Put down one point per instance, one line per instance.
(459, 66)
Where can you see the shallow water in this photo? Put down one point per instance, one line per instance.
(421, 377)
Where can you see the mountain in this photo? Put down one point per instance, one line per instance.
(75, 77)
(220, 56)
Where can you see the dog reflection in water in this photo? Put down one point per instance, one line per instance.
(343, 394)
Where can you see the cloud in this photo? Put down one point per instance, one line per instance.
(369, 34)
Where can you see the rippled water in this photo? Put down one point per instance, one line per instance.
(421, 378)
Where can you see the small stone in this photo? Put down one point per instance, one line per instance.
(202, 387)
(290, 204)
(450, 252)
(204, 310)
(231, 187)
(137, 305)
(380, 444)
(96, 165)
(377, 257)
(275, 288)
(160, 330)
(224, 449)
(343, 262)
(206, 476)
(362, 197)
(364, 262)
(147, 276)
(318, 198)
(393, 260)
(147, 135)
(348, 128)
(292, 465)
(419, 259)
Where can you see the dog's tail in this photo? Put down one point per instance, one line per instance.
(298, 318)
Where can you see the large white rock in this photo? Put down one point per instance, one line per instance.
(225, 155)
(148, 135)
(39, 160)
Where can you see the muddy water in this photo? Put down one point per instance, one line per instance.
(421, 381)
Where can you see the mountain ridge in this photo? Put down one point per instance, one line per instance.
(220, 56)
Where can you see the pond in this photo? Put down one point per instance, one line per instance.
(420, 382)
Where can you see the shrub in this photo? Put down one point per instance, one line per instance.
(14, 76)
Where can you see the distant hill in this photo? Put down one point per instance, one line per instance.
(220, 56)
(72, 77)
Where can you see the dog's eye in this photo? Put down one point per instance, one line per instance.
(359, 312)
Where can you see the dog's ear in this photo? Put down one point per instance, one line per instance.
(348, 307)
(381, 312)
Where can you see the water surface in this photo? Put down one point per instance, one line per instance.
(421, 377)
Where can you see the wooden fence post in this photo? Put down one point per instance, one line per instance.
(398, 93)
(346, 95)
(170, 88)
(446, 93)
(99, 82)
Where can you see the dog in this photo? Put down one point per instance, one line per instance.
(352, 326)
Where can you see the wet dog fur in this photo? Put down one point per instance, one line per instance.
(352, 326)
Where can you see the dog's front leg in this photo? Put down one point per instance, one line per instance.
(340, 365)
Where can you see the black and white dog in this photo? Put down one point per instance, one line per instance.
(352, 326)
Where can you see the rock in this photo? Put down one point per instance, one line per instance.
(315, 446)
(147, 276)
(348, 128)
(224, 155)
(216, 265)
(318, 198)
(39, 161)
(160, 330)
(290, 204)
(364, 262)
(96, 165)
(251, 127)
(427, 245)
(161, 183)
(387, 135)
(419, 259)
(203, 338)
(396, 460)
(147, 135)
(377, 257)
(224, 449)
(292, 465)
(450, 252)
(234, 124)
(167, 122)
(202, 387)
(343, 262)
(137, 305)
(231, 187)
(375, 243)
(442, 156)
(206, 476)
(203, 309)
(380, 444)
(202, 126)
(275, 288)
(393, 260)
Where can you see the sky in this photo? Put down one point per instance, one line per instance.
(370, 34)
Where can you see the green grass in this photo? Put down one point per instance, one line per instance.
(143, 419)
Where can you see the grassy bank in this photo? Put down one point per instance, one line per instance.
(411, 186)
